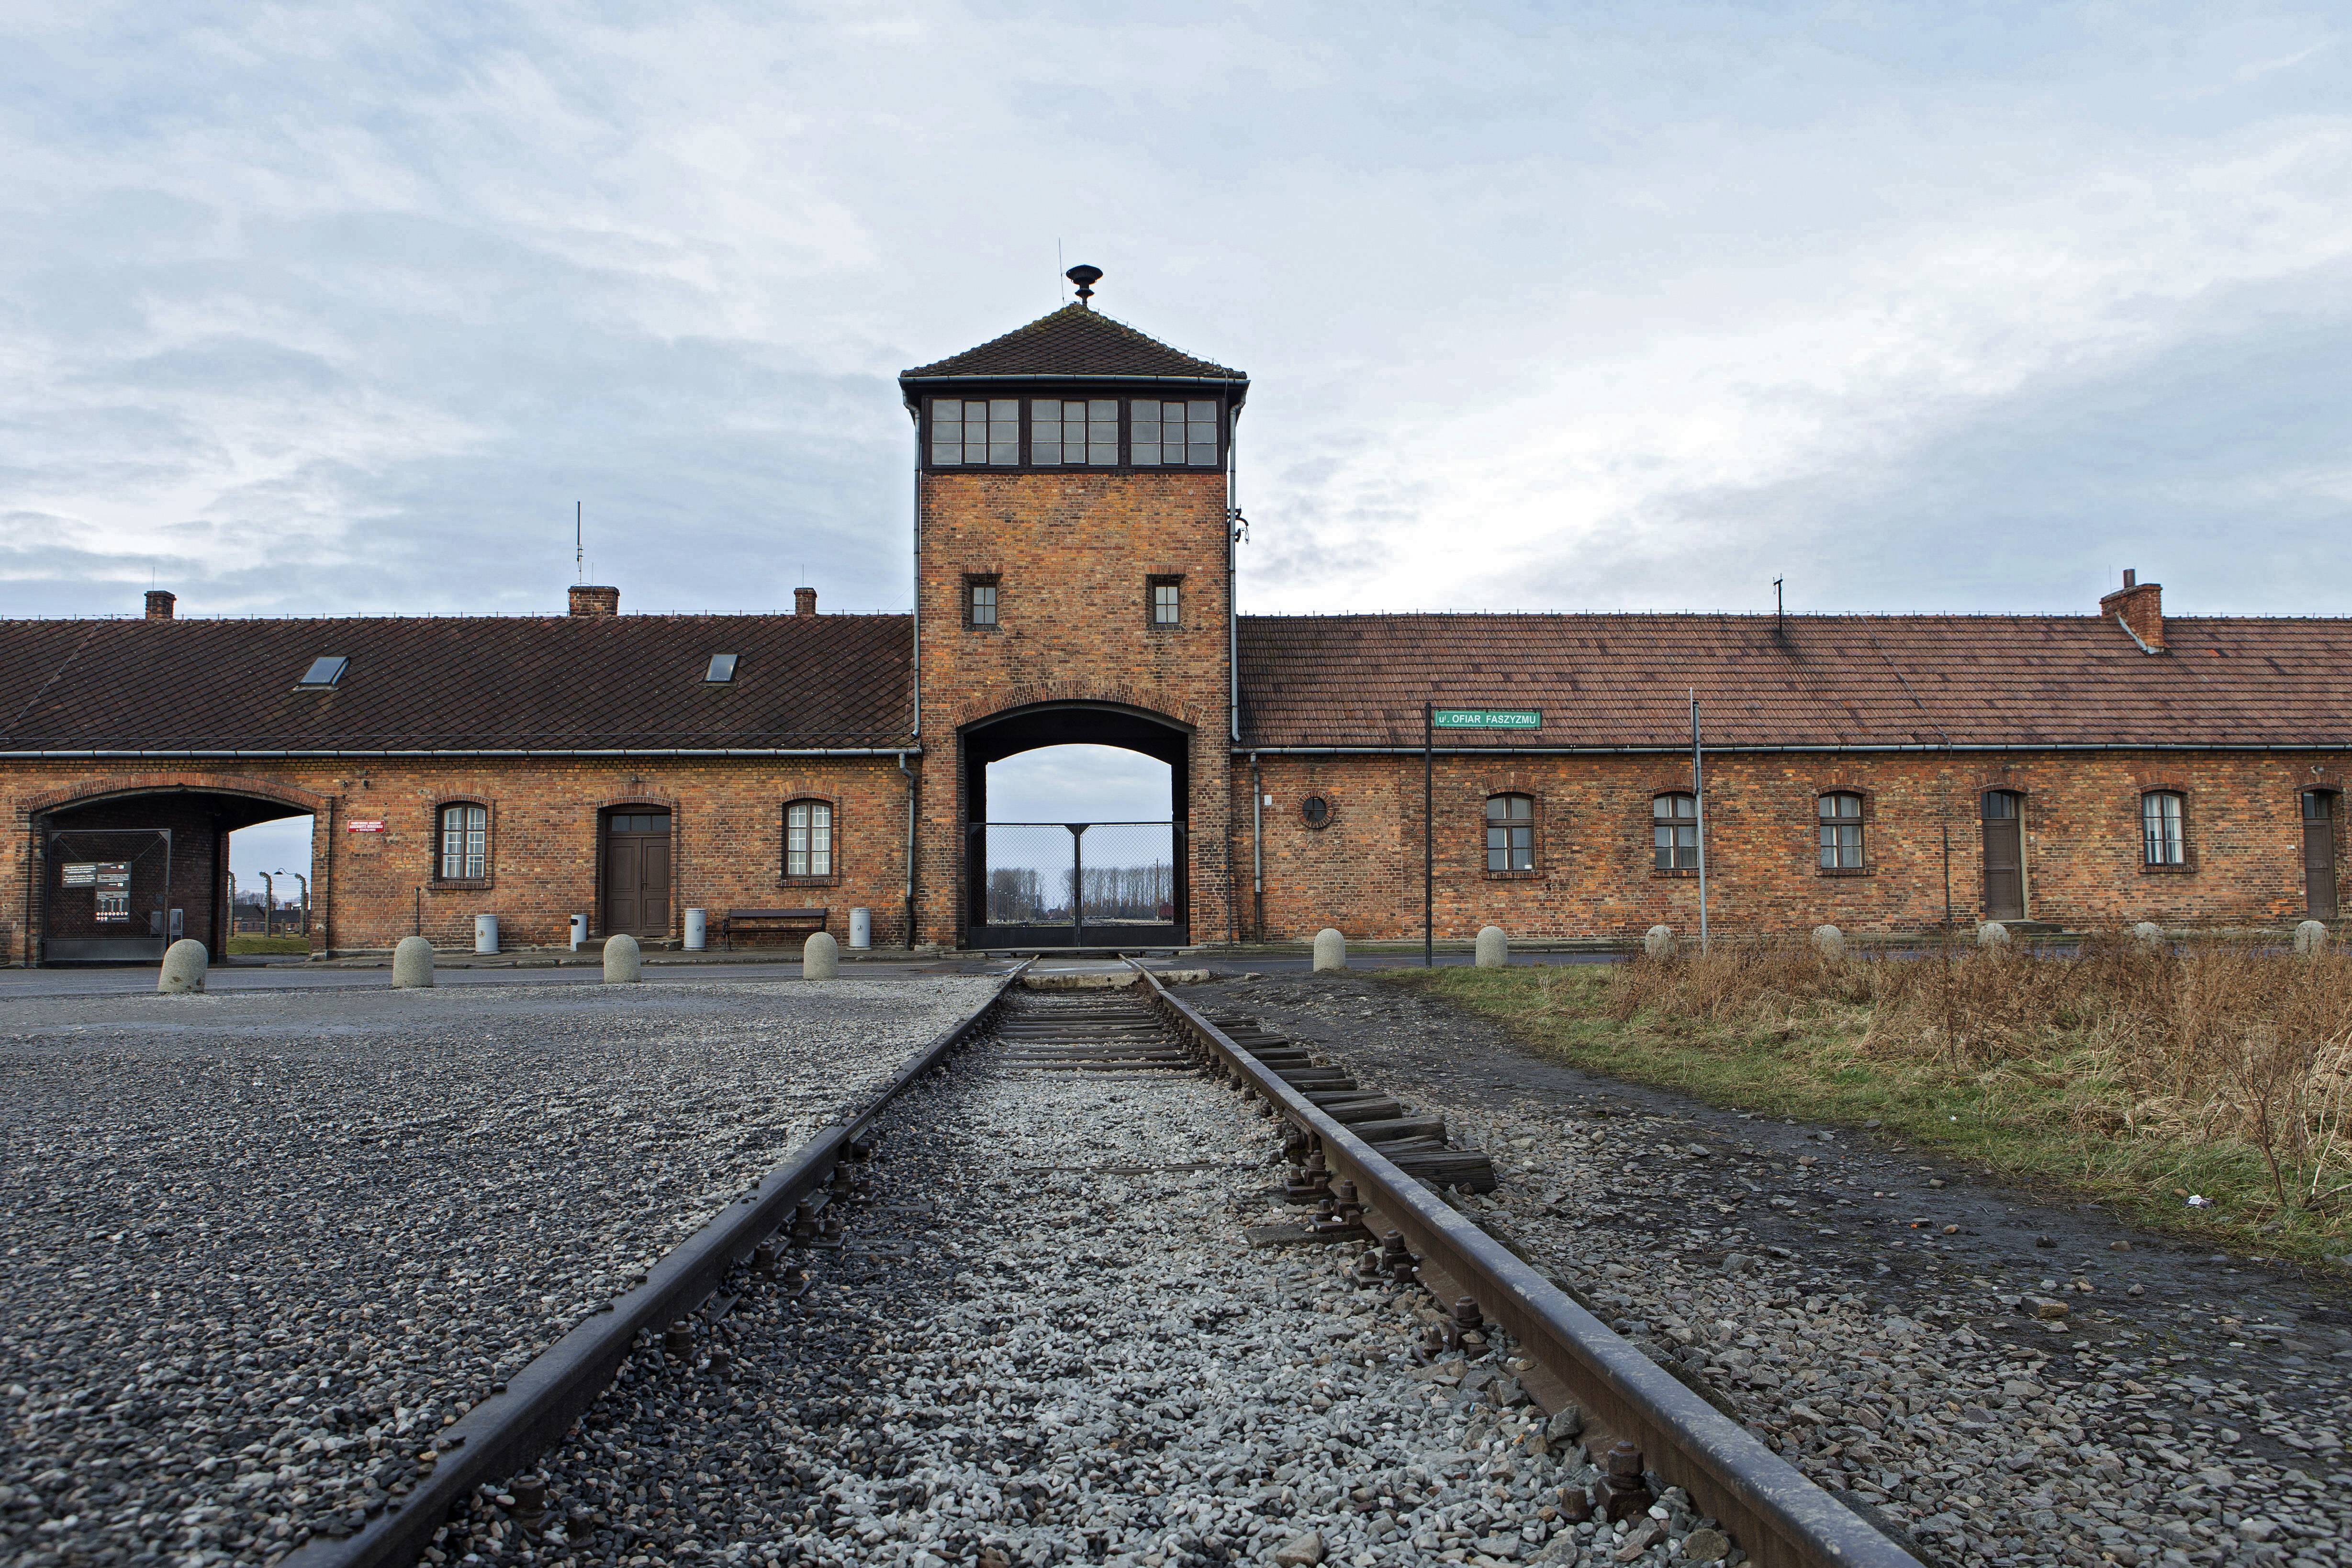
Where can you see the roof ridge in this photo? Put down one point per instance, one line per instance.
(1058, 344)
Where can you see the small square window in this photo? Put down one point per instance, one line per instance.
(1510, 833)
(721, 670)
(1167, 601)
(324, 670)
(1674, 833)
(980, 602)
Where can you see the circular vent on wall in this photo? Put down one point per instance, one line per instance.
(1316, 811)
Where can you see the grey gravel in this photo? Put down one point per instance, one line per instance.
(1045, 1340)
(1994, 1376)
(256, 1249)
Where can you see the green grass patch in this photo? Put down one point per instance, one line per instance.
(257, 946)
(2057, 1120)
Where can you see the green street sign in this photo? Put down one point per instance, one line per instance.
(1487, 719)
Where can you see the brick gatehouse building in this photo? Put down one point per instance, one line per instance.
(1074, 576)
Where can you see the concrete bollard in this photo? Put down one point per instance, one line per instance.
(1494, 950)
(1658, 941)
(2149, 935)
(1992, 934)
(1829, 942)
(821, 957)
(2310, 939)
(1331, 950)
(624, 963)
(412, 961)
(184, 963)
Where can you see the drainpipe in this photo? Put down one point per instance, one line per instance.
(1233, 571)
(917, 620)
(910, 849)
(1257, 850)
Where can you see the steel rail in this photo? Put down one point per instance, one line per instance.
(507, 1431)
(1772, 1510)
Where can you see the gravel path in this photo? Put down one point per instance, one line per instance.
(259, 1247)
(1873, 1314)
(1046, 1340)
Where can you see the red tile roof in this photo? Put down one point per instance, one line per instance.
(470, 683)
(1077, 343)
(1623, 681)
(635, 682)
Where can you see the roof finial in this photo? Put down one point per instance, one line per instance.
(1085, 278)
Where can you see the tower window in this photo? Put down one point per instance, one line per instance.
(1176, 434)
(979, 601)
(973, 433)
(2160, 829)
(1841, 815)
(1510, 833)
(1673, 832)
(1167, 601)
(1069, 431)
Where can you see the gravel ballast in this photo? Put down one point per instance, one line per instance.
(1047, 1340)
(2009, 1381)
(256, 1249)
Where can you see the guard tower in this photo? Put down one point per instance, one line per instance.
(1073, 585)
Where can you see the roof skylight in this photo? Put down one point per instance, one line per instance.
(325, 670)
(722, 669)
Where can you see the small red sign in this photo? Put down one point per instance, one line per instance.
(366, 825)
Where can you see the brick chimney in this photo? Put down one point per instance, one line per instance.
(805, 601)
(588, 601)
(2141, 605)
(159, 604)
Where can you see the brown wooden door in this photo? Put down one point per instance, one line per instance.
(2004, 856)
(2319, 854)
(637, 873)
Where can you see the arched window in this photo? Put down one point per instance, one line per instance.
(2160, 822)
(808, 838)
(1510, 833)
(1675, 831)
(465, 843)
(1841, 815)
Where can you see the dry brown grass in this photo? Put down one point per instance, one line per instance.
(2208, 1044)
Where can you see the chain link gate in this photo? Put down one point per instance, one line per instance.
(1077, 884)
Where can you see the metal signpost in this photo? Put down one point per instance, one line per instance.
(1434, 719)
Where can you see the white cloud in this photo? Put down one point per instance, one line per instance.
(334, 310)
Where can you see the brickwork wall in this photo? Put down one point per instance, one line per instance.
(1594, 872)
(1072, 555)
(371, 889)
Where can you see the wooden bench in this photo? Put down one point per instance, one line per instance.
(807, 921)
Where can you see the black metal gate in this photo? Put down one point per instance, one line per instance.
(1077, 884)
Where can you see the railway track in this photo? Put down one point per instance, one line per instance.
(500, 1437)
(1001, 1317)
(1627, 1403)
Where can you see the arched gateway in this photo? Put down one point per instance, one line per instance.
(1074, 884)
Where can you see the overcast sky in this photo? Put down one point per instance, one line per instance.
(339, 309)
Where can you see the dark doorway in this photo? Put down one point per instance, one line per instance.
(124, 876)
(1042, 884)
(2319, 853)
(2004, 854)
(636, 872)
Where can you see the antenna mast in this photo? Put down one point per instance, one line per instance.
(579, 547)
